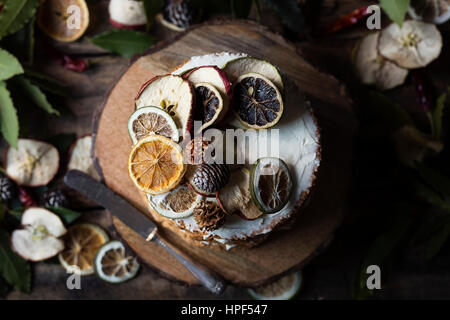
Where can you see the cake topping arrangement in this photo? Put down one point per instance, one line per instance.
(205, 180)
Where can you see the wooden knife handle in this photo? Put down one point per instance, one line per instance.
(206, 277)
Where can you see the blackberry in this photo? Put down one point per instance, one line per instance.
(7, 188)
(55, 198)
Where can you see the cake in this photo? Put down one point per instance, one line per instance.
(298, 147)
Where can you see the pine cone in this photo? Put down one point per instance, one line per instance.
(179, 13)
(54, 198)
(7, 188)
(210, 178)
(208, 215)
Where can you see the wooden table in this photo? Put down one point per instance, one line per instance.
(330, 276)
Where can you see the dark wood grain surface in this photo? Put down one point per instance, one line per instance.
(329, 276)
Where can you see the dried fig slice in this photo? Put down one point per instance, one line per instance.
(414, 45)
(38, 240)
(172, 94)
(33, 164)
(375, 70)
(151, 120)
(257, 101)
(236, 198)
(209, 104)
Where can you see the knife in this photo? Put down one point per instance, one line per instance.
(138, 222)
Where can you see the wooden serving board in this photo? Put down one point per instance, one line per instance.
(284, 250)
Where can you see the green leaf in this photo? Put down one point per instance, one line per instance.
(14, 269)
(9, 65)
(290, 13)
(395, 9)
(15, 15)
(68, 216)
(437, 115)
(45, 82)
(435, 179)
(35, 95)
(152, 8)
(9, 123)
(31, 42)
(124, 42)
(379, 252)
(431, 236)
(430, 195)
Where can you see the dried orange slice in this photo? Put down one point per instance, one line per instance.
(156, 164)
(82, 242)
(63, 20)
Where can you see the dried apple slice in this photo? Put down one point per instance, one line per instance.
(375, 70)
(414, 45)
(257, 101)
(209, 106)
(80, 157)
(33, 164)
(436, 11)
(151, 120)
(240, 66)
(127, 14)
(216, 77)
(39, 238)
(173, 94)
(175, 204)
(236, 198)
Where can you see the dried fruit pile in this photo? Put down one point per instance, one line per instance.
(202, 101)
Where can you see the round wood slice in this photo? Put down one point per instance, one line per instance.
(285, 250)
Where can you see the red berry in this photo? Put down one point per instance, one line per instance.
(25, 197)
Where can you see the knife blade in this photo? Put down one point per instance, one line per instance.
(107, 198)
(137, 221)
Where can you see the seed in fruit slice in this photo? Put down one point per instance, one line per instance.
(283, 289)
(156, 164)
(151, 120)
(113, 265)
(235, 197)
(240, 66)
(215, 77)
(63, 20)
(38, 240)
(128, 14)
(33, 164)
(270, 184)
(175, 204)
(257, 101)
(80, 157)
(82, 242)
(172, 94)
(209, 104)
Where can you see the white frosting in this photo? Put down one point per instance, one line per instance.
(299, 148)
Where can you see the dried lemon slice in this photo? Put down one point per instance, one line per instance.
(151, 120)
(82, 242)
(63, 20)
(156, 164)
(257, 101)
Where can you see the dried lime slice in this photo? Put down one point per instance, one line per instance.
(175, 204)
(209, 104)
(151, 120)
(257, 101)
(283, 289)
(113, 265)
(270, 184)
